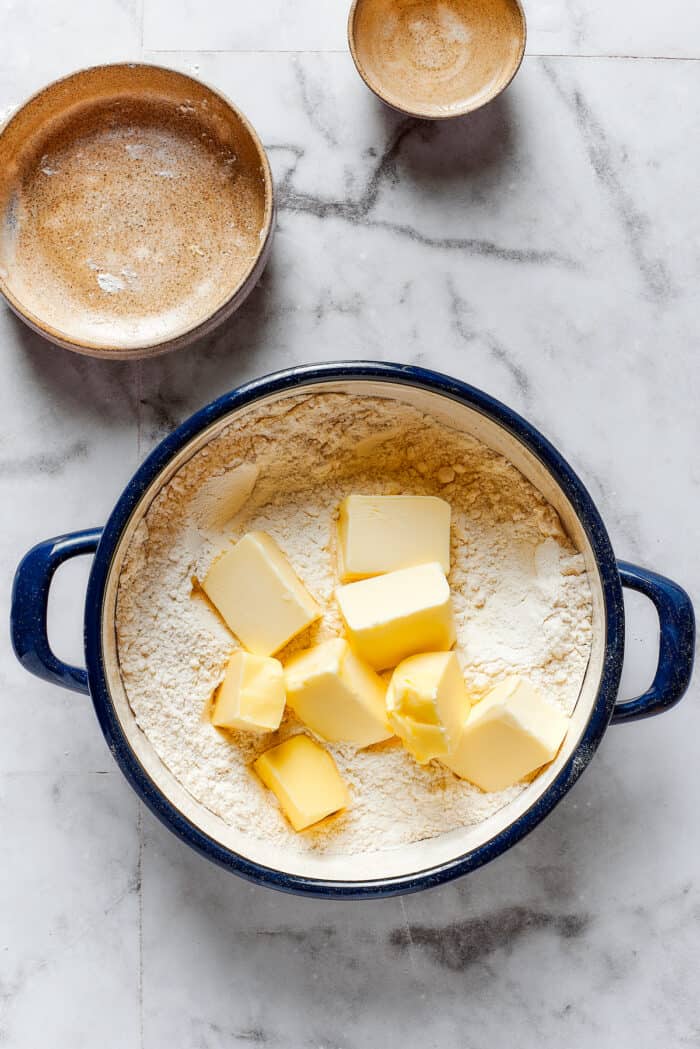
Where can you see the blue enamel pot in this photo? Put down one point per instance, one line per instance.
(421, 864)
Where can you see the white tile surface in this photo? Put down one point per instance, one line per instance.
(268, 25)
(576, 27)
(539, 948)
(44, 39)
(598, 27)
(69, 906)
(69, 443)
(545, 250)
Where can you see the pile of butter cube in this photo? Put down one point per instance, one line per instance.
(394, 599)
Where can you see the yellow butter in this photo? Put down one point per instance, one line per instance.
(305, 780)
(399, 614)
(427, 703)
(259, 595)
(508, 735)
(337, 695)
(251, 696)
(382, 533)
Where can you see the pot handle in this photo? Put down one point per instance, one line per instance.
(30, 599)
(676, 643)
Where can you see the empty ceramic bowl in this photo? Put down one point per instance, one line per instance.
(136, 210)
(437, 58)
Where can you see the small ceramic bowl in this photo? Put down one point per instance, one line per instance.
(136, 210)
(437, 58)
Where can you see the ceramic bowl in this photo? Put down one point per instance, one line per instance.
(409, 867)
(437, 58)
(136, 210)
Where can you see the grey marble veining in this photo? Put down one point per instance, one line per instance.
(546, 250)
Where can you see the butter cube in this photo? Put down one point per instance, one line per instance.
(382, 533)
(399, 614)
(258, 594)
(305, 780)
(427, 703)
(508, 735)
(251, 696)
(338, 696)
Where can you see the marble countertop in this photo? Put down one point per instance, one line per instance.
(546, 250)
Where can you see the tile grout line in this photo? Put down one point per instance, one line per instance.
(139, 874)
(61, 772)
(614, 57)
(344, 51)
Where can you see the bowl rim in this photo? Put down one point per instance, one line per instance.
(376, 88)
(285, 382)
(237, 294)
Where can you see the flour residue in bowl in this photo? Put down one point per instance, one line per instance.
(520, 591)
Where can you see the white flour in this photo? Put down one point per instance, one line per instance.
(520, 593)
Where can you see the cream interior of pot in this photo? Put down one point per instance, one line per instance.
(407, 859)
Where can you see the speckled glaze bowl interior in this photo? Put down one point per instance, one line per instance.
(258, 858)
(437, 58)
(136, 210)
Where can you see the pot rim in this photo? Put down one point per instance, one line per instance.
(287, 381)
